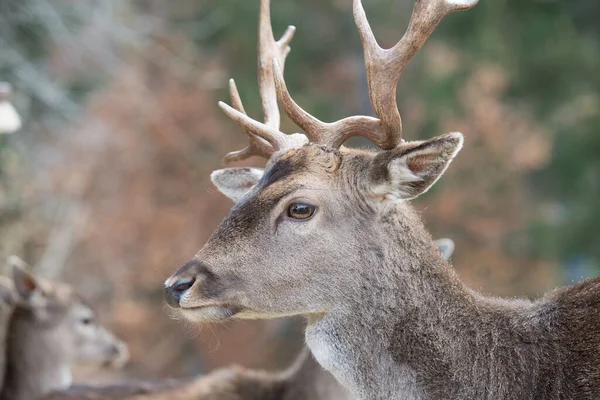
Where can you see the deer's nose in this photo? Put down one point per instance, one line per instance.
(175, 291)
(119, 354)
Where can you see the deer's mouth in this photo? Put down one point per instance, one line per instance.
(209, 312)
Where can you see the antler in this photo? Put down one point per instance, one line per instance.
(384, 67)
(264, 138)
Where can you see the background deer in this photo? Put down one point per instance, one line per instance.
(304, 380)
(51, 330)
(7, 302)
(327, 232)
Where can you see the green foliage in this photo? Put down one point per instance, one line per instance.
(552, 50)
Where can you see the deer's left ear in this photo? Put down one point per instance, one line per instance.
(30, 292)
(236, 182)
(445, 247)
(411, 169)
(25, 283)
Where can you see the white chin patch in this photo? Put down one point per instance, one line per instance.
(206, 314)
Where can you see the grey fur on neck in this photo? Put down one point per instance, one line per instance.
(32, 367)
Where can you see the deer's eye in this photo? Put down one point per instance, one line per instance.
(87, 321)
(300, 211)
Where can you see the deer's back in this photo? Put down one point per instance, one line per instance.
(228, 384)
(577, 314)
(556, 348)
(305, 380)
(121, 391)
(552, 352)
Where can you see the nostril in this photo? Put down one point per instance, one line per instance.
(174, 292)
(182, 285)
(119, 355)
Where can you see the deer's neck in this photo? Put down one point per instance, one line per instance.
(401, 331)
(34, 364)
(306, 379)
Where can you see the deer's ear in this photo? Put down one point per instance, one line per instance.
(412, 168)
(25, 283)
(236, 182)
(446, 247)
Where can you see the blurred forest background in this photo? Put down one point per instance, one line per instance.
(107, 184)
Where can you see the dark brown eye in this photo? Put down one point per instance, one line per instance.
(87, 321)
(300, 211)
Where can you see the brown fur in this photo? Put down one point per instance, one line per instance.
(387, 315)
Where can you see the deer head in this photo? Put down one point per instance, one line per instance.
(56, 310)
(308, 232)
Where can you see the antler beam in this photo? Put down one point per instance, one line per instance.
(384, 67)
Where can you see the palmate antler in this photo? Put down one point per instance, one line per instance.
(384, 67)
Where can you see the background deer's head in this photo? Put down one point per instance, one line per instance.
(52, 316)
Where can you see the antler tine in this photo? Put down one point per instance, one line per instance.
(270, 50)
(384, 66)
(253, 127)
(332, 134)
(256, 145)
(264, 138)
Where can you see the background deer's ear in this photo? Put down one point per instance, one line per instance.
(236, 182)
(412, 168)
(25, 283)
(446, 247)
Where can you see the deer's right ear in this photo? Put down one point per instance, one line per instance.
(412, 168)
(236, 182)
(25, 283)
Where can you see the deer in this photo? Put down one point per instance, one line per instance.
(328, 232)
(50, 330)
